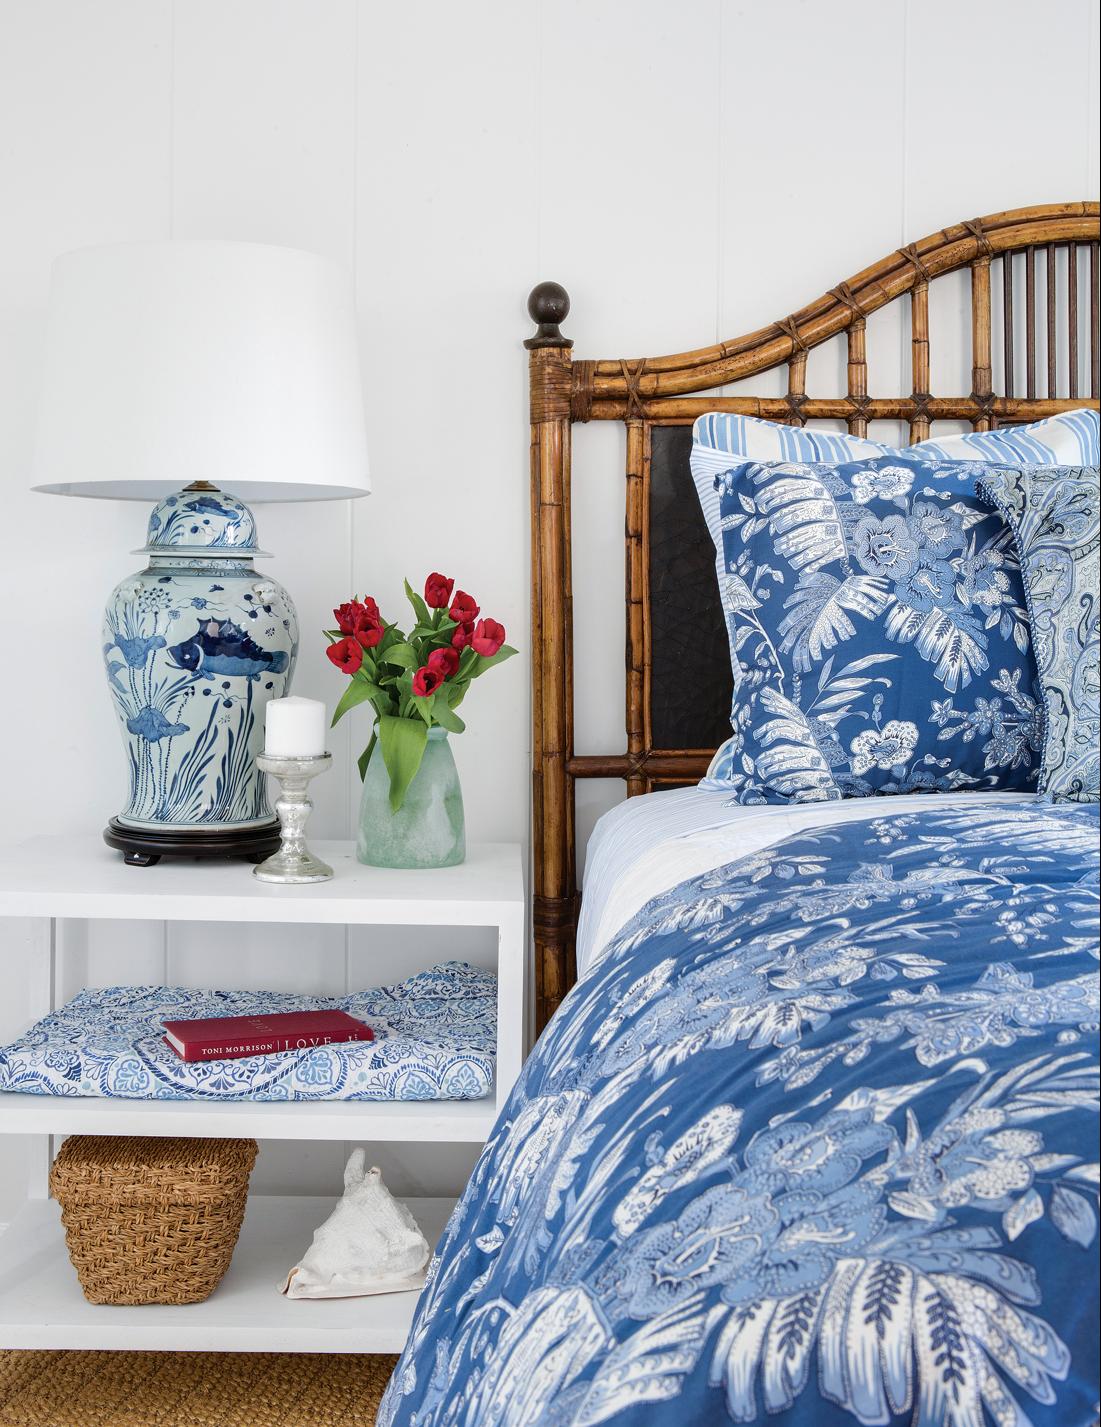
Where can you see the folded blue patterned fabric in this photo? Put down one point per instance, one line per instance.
(435, 1039)
(1053, 512)
(878, 632)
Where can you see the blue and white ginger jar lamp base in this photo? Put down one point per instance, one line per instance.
(195, 646)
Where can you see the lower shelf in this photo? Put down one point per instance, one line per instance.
(41, 1305)
(456, 1121)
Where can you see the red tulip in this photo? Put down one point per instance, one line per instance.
(368, 632)
(425, 682)
(443, 662)
(346, 654)
(488, 637)
(463, 609)
(461, 636)
(437, 591)
(349, 614)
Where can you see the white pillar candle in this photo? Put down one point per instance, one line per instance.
(295, 728)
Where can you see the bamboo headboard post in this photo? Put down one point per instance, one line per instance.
(554, 911)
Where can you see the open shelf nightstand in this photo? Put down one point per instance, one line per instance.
(47, 880)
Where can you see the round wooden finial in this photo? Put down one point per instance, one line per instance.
(548, 305)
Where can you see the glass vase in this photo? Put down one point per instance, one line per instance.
(429, 829)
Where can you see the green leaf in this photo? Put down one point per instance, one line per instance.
(442, 713)
(440, 634)
(403, 655)
(357, 692)
(420, 609)
(391, 635)
(403, 742)
(485, 662)
(365, 756)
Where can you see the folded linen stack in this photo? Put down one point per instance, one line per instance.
(434, 1039)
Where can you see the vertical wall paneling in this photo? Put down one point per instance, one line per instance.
(630, 225)
(810, 173)
(1051, 72)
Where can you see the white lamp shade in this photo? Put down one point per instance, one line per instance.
(233, 363)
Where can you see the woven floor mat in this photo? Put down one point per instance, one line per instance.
(101, 1389)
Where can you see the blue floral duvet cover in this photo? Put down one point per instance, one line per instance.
(814, 1143)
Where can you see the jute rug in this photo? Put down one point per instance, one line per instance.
(81, 1389)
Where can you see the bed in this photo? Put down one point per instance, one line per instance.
(813, 1138)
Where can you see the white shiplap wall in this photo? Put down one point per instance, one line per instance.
(674, 165)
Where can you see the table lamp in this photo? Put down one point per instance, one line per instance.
(199, 376)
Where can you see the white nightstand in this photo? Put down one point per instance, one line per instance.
(50, 879)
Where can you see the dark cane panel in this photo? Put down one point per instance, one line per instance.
(690, 661)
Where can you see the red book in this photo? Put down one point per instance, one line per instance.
(233, 1037)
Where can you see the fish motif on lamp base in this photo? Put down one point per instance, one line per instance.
(195, 646)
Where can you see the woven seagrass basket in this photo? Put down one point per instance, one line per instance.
(151, 1220)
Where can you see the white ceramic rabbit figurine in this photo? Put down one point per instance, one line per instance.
(370, 1243)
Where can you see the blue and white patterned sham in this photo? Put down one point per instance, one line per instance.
(435, 1039)
(721, 441)
(878, 634)
(1053, 513)
(1072, 438)
(814, 1144)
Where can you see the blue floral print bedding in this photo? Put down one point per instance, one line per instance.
(435, 1039)
(814, 1143)
(878, 632)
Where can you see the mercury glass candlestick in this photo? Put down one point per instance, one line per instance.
(294, 863)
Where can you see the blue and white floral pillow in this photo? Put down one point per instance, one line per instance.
(1054, 514)
(878, 633)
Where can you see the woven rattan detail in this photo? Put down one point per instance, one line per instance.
(581, 402)
(631, 377)
(86, 1389)
(975, 227)
(788, 327)
(550, 394)
(912, 256)
(150, 1220)
(845, 295)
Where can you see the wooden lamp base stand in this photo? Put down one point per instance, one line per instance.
(144, 847)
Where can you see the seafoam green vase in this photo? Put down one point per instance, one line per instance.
(429, 829)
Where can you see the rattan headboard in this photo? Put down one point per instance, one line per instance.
(666, 743)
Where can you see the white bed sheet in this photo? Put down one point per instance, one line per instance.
(646, 845)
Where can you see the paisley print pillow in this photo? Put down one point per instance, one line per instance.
(1053, 513)
(878, 632)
